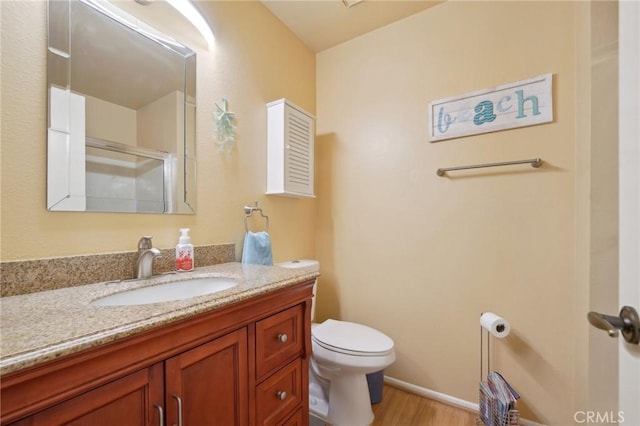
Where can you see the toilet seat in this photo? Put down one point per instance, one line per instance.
(351, 339)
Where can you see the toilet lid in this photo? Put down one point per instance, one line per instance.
(349, 337)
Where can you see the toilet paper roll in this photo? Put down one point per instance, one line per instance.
(495, 324)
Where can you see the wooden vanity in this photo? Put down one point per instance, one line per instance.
(245, 363)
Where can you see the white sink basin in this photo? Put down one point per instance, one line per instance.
(168, 292)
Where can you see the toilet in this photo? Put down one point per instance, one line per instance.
(343, 354)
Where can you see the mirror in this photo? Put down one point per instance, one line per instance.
(121, 122)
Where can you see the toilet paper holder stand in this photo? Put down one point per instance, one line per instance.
(482, 330)
(513, 415)
(500, 328)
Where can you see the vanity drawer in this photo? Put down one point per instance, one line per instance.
(296, 420)
(279, 338)
(279, 395)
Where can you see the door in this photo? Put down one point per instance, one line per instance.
(619, 379)
(208, 385)
(629, 163)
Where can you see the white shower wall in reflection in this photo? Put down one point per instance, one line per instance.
(125, 182)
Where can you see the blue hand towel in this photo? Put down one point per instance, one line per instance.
(257, 249)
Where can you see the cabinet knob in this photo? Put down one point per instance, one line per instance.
(283, 337)
(282, 395)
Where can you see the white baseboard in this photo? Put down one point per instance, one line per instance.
(444, 398)
(431, 394)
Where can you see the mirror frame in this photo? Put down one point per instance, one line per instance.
(66, 137)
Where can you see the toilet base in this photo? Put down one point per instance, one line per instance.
(316, 421)
(318, 398)
(342, 401)
(349, 401)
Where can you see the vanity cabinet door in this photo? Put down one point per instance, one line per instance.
(133, 400)
(208, 385)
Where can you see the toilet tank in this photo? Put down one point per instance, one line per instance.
(306, 265)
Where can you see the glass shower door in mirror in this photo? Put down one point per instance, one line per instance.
(121, 130)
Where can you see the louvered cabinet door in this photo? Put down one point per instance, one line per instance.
(290, 144)
(298, 152)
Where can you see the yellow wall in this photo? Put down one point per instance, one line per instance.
(171, 108)
(255, 60)
(420, 257)
(111, 122)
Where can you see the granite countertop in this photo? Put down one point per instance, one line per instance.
(42, 326)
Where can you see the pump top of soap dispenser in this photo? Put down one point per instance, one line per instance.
(184, 236)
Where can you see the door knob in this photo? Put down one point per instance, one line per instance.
(627, 322)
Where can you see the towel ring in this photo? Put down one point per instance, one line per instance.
(248, 211)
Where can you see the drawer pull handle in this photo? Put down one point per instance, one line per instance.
(282, 395)
(282, 337)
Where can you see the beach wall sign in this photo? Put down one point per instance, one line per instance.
(518, 104)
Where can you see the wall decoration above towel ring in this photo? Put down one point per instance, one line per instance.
(248, 211)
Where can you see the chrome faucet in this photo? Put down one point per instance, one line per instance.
(146, 254)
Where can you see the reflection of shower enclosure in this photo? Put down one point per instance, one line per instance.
(123, 178)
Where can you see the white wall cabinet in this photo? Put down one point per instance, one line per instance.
(290, 144)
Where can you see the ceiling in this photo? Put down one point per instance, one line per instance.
(322, 24)
(130, 70)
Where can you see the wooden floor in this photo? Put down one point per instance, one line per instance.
(400, 408)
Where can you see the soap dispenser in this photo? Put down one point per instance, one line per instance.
(184, 252)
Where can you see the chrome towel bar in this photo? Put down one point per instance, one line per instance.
(535, 162)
